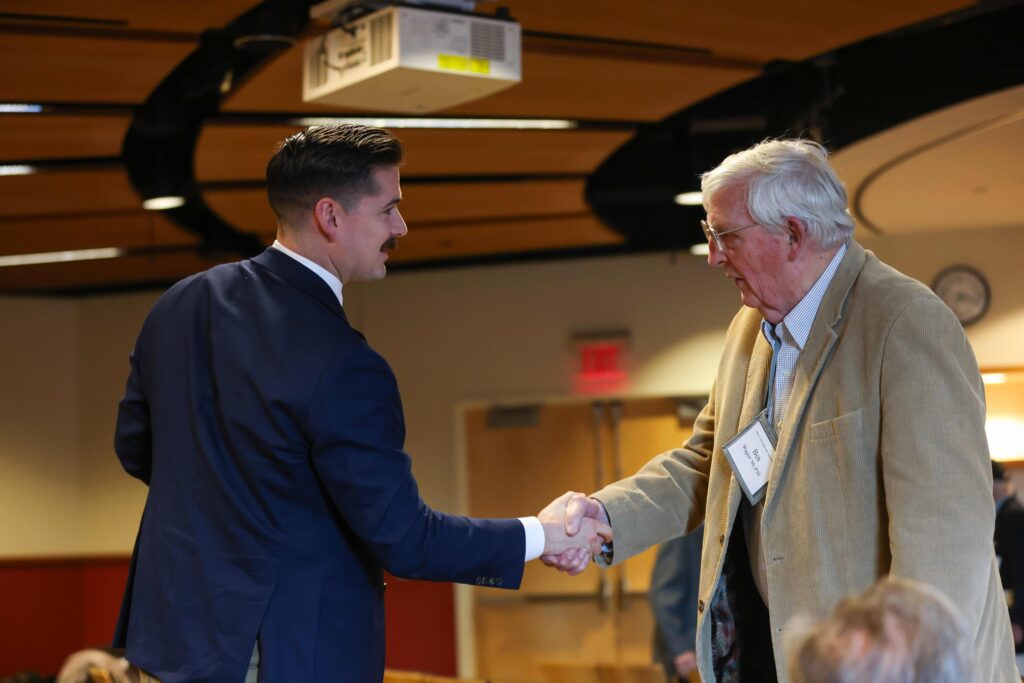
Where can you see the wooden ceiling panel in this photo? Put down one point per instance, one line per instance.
(783, 29)
(436, 203)
(51, 136)
(66, 192)
(241, 152)
(503, 237)
(584, 85)
(134, 270)
(277, 87)
(181, 15)
(130, 230)
(247, 209)
(473, 152)
(50, 68)
(593, 87)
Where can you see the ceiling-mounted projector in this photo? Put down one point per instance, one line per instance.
(411, 59)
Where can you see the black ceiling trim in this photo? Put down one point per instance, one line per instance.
(596, 46)
(499, 220)
(51, 165)
(254, 184)
(573, 253)
(455, 263)
(836, 98)
(264, 118)
(159, 147)
(65, 215)
(92, 21)
(103, 32)
(72, 109)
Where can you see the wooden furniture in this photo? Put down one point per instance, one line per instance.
(391, 676)
(570, 672)
(631, 673)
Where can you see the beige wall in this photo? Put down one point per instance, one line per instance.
(456, 337)
(107, 327)
(41, 493)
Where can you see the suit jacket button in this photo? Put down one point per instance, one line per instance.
(700, 606)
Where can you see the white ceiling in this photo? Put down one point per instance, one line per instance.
(958, 168)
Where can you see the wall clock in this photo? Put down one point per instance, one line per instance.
(965, 291)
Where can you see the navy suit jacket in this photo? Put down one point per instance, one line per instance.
(271, 435)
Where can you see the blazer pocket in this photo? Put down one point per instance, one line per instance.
(845, 429)
(833, 458)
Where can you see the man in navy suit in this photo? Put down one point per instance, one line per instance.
(270, 435)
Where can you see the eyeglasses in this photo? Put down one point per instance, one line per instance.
(712, 234)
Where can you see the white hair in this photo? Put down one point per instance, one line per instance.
(786, 178)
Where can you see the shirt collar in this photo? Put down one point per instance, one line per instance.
(798, 322)
(327, 276)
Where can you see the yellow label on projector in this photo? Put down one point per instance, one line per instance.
(459, 63)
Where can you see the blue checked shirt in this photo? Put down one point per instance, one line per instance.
(788, 339)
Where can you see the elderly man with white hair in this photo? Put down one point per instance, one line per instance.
(899, 631)
(843, 440)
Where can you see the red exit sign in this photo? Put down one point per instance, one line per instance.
(601, 362)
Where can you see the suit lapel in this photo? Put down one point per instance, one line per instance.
(823, 338)
(753, 402)
(300, 277)
(757, 379)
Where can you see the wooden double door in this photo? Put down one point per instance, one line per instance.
(521, 458)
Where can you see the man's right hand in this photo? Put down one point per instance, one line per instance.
(570, 514)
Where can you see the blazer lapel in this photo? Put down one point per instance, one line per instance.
(753, 389)
(300, 277)
(823, 338)
(757, 379)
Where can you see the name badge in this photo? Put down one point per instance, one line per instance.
(750, 454)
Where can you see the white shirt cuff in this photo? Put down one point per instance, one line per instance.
(534, 537)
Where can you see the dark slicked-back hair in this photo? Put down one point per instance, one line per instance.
(328, 161)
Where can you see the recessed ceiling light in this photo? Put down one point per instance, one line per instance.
(409, 122)
(993, 377)
(59, 256)
(19, 108)
(163, 203)
(690, 198)
(700, 249)
(17, 169)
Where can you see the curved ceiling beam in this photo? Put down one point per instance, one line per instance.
(837, 99)
(160, 144)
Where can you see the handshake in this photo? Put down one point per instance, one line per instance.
(575, 527)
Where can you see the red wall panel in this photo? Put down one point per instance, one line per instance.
(50, 607)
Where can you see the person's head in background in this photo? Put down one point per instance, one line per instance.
(899, 631)
(1002, 487)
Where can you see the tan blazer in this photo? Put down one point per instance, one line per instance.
(882, 464)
